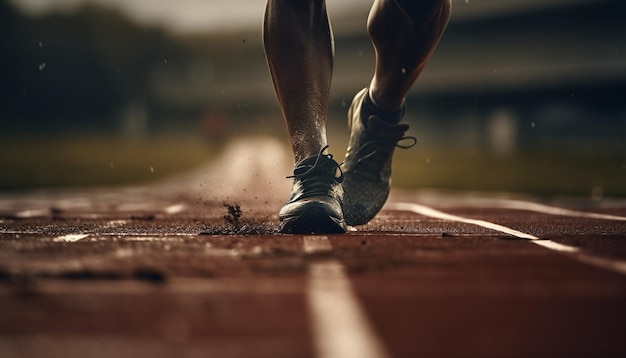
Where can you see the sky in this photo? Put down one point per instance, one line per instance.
(223, 15)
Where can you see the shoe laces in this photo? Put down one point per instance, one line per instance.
(376, 151)
(317, 178)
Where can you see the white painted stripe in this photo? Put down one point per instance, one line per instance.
(545, 209)
(175, 209)
(33, 213)
(427, 211)
(150, 238)
(70, 238)
(549, 244)
(316, 243)
(208, 251)
(340, 327)
(18, 232)
(164, 235)
(612, 265)
(615, 265)
(115, 223)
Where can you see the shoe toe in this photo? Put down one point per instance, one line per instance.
(311, 216)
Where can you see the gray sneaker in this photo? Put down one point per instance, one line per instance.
(367, 169)
(315, 205)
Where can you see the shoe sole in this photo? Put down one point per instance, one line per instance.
(312, 220)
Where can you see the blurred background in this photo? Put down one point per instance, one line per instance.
(521, 95)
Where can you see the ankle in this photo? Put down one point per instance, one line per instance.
(372, 107)
(383, 101)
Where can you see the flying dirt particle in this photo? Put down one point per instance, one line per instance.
(234, 215)
(236, 225)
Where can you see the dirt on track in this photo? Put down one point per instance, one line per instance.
(173, 269)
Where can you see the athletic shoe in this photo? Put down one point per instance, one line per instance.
(315, 205)
(374, 135)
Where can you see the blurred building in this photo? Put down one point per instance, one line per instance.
(507, 73)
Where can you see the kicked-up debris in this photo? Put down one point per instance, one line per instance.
(237, 225)
(234, 215)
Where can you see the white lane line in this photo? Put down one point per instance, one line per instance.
(316, 243)
(78, 237)
(544, 209)
(115, 223)
(70, 238)
(427, 211)
(615, 265)
(18, 232)
(130, 234)
(340, 327)
(607, 264)
(549, 244)
(175, 209)
(32, 213)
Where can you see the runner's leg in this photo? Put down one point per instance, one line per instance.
(405, 33)
(299, 49)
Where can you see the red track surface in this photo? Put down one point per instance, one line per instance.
(158, 272)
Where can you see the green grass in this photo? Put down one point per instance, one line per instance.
(108, 161)
(95, 161)
(550, 169)
(546, 172)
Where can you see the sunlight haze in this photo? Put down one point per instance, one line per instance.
(222, 15)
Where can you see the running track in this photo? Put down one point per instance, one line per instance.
(143, 272)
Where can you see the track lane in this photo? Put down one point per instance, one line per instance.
(598, 261)
(127, 273)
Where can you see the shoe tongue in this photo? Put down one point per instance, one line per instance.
(377, 127)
